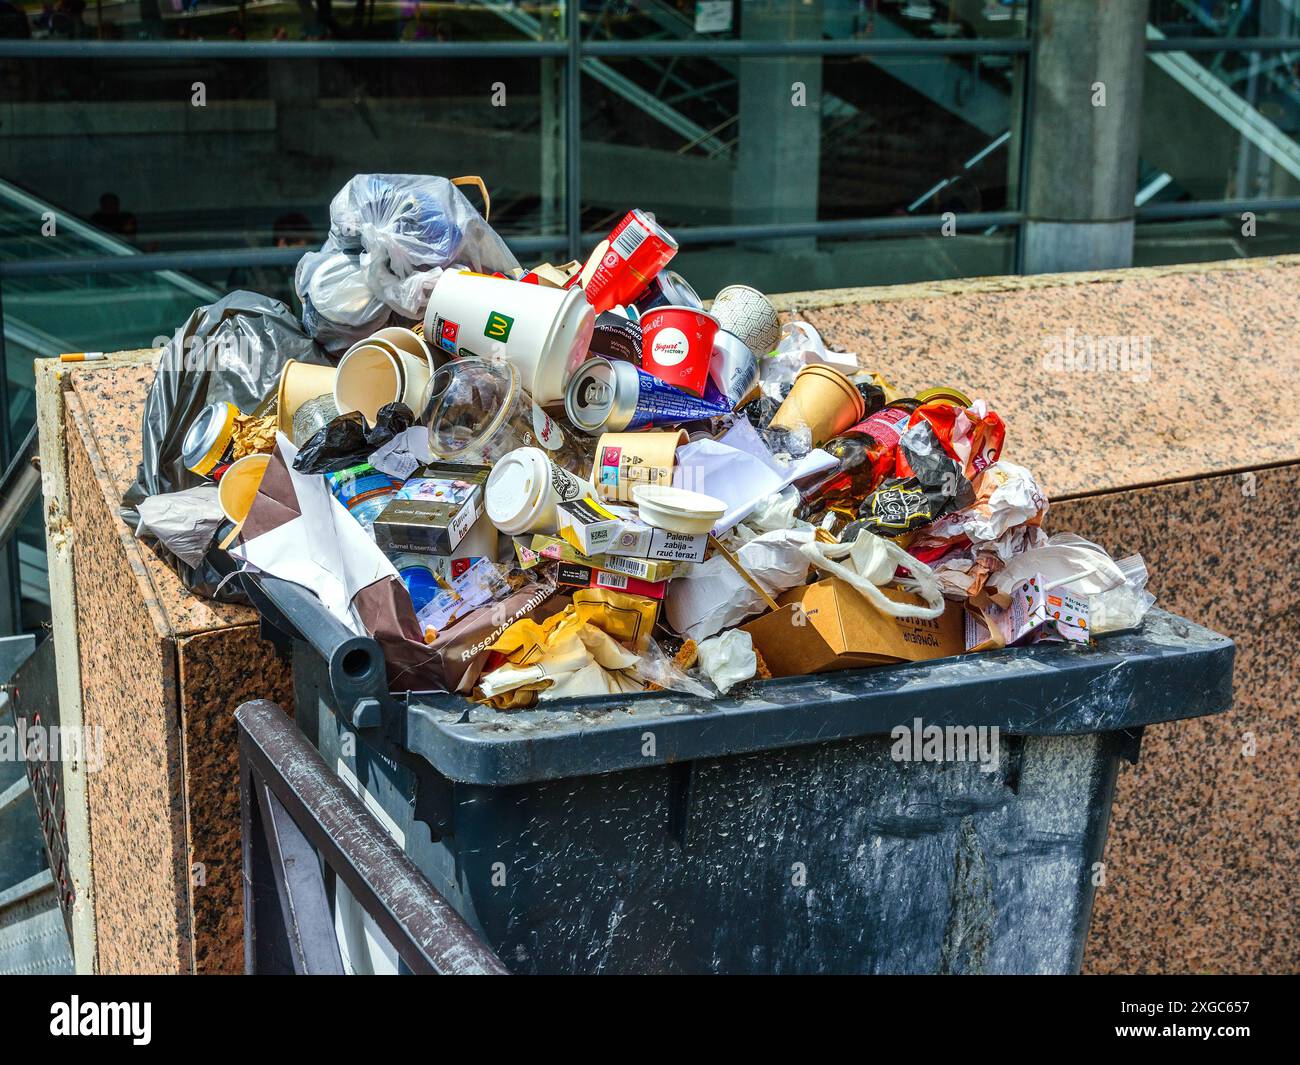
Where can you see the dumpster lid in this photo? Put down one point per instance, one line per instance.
(1168, 670)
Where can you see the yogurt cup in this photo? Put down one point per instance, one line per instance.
(677, 346)
(523, 489)
(677, 509)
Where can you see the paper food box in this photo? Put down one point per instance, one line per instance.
(830, 625)
(1033, 615)
(434, 510)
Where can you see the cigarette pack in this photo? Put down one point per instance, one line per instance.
(434, 510)
(640, 540)
(576, 575)
(588, 525)
(553, 547)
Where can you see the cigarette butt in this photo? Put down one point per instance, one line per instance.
(83, 356)
(445, 585)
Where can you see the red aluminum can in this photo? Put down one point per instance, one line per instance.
(639, 247)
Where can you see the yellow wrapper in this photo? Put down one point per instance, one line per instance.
(626, 617)
(253, 435)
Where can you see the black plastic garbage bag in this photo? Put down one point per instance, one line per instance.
(348, 440)
(231, 350)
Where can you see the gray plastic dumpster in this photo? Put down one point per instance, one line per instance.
(787, 829)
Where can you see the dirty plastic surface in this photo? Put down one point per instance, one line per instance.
(1167, 670)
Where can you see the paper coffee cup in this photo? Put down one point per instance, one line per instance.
(625, 460)
(523, 490)
(374, 373)
(822, 399)
(750, 315)
(543, 332)
(238, 486)
(412, 343)
(299, 382)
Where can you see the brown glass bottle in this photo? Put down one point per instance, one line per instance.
(867, 454)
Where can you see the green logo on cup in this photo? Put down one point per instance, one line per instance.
(498, 326)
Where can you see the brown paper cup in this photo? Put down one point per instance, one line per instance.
(624, 460)
(238, 486)
(822, 399)
(299, 382)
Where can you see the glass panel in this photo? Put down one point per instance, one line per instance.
(805, 265)
(1220, 126)
(257, 164)
(284, 20)
(790, 20)
(1203, 240)
(1195, 18)
(798, 139)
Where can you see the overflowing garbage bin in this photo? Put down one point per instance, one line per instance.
(936, 817)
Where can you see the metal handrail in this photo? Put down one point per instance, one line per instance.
(295, 807)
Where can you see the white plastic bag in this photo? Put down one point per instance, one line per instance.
(873, 561)
(408, 228)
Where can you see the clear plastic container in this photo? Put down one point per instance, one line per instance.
(363, 490)
(476, 410)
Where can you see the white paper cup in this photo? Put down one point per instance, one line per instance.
(523, 489)
(543, 332)
(374, 373)
(410, 341)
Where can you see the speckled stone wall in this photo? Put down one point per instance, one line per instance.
(1205, 841)
(164, 671)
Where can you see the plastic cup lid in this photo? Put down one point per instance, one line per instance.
(679, 501)
(511, 489)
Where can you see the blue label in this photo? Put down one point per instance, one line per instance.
(659, 403)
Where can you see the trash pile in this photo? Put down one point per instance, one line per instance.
(575, 480)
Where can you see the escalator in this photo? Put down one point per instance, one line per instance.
(48, 314)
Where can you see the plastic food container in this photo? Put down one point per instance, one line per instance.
(677, 509)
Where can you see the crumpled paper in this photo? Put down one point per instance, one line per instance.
(712, 596)
(738, 469)
(729, 659)
(1006, 495)
(570, 655)
(252, 435)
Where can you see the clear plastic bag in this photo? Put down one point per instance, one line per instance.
(338, 308)
(407, 228)
(1125, 606)
(656, 667)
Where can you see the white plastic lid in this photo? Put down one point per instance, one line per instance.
(514, 488)
(672, 500)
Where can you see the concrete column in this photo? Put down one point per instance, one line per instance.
(778, 156)
(1084, 126)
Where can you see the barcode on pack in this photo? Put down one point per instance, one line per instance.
(611, 580)
(629, 240)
